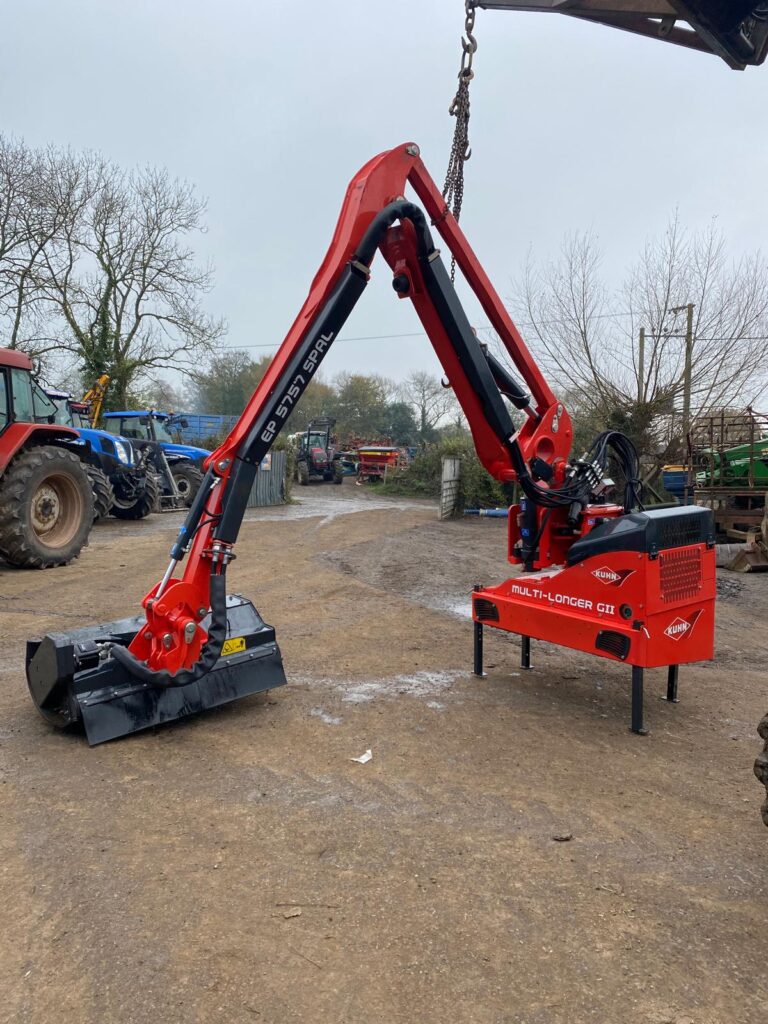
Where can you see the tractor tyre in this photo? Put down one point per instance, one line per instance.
(338, 473)
(761, 764)
(103, 495)
(143, 506)
(46, 508)
(303, 474)
(187, 478)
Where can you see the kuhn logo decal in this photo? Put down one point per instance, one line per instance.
(678, 628)
(606, 575)
(610, 577)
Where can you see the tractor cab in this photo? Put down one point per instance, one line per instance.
(155, 426)
(180, 466)
(22, 400)
(114, 454)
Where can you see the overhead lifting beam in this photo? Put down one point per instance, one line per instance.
(735, 30)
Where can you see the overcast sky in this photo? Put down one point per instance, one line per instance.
(270, 107)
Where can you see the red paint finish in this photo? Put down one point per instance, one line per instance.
(622, 592)
(20, 435)
(556, 536)
(15, 359)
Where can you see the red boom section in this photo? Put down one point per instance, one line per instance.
(382, 180)
(173, 638)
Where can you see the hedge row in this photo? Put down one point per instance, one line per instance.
(422, 478)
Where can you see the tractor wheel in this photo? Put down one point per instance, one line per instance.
(761, 764)
(187, 478)
(303, 474)
(103, 495)
(143, 506)
(46, 508)
(338, 473)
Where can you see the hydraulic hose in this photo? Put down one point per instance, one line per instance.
(209, 655)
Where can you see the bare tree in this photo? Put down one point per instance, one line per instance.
(161, 394)
(456, 421)
(730, 299)
(26, 227)
(586, 334)
(429, 399)
(121, 286)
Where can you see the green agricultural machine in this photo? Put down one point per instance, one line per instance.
(727, 470)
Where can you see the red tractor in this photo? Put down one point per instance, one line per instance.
(317, 458)
(46, 501)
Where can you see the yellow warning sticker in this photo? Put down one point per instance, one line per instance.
(233, 645)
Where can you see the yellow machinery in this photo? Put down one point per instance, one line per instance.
(94, 398)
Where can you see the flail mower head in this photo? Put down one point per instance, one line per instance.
(73, 679)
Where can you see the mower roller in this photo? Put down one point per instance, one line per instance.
(605, 576)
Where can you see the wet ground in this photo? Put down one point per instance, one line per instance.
(510, 853)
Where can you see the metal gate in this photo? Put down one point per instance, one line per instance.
(269, 485)
(449, 490)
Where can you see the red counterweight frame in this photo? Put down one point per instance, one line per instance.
(646, 609)
(173, 644)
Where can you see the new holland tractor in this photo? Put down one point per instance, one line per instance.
(123, 484)
(181, 465)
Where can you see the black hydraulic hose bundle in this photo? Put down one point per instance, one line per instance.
(578, 488)
(626, 456)
(209, 655)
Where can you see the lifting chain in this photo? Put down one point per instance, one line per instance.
(453, 189)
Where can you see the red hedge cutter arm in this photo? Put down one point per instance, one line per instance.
(184, 646)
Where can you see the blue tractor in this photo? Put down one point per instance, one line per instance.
(180, 466)
(123, 484)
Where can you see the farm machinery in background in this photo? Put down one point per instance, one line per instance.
(727, 471)
(46, 500)
(376, 461)
(317, 457)
(124, 485)
(179, 467)
(94, 398)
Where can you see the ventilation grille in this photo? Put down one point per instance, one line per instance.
(678, 531)
(616, 644)
(680, 574)
(486, 611)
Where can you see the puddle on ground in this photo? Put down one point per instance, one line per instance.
(461, 608)
(363, 691)
(418, 684)
(325, 716)
(312, 506)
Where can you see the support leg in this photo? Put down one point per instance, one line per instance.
(525, 652)
(637, 701)
(672, 684)
(479, 649)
